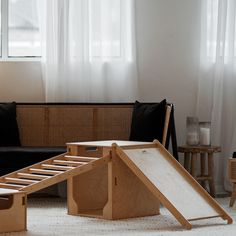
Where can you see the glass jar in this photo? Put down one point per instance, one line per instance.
(205, 133)
(192, 136)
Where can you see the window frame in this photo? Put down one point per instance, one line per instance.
(4, 37)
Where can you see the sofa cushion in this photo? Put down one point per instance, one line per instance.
(148, 121)
(9, 133)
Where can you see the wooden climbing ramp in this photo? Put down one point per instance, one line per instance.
(50, 172)
(111, 180)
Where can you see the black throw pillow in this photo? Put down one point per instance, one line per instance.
(9, 133)
(148, 121)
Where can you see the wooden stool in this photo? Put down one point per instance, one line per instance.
(206, 154)
(12, 210)
(232, 177)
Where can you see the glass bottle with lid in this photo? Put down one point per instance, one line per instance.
(192, 136)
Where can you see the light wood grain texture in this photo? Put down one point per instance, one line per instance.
(56, 167)
(87, 192)
(232, 169)
(12, 211)
(127, 195)
(20, 181)
(163, 175)
(166, 125)
(111, 192)
(233, 196)
(4, 192)
(32, 176)
(203, 170)
(16, 180)
(232, 177)
(108, 143)
(118, 182)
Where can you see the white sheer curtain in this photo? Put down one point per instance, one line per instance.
(89, 51)
(217, 82)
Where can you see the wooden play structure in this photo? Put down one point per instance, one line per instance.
(112, 180)
(232, 177)
(12, 210)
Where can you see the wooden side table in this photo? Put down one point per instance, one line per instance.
(206, 155)
(232, 177)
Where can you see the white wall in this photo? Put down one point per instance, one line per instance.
(167, 32)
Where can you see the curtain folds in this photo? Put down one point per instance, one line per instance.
(89, 50)
(217, 78)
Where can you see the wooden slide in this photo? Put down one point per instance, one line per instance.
(175, 188)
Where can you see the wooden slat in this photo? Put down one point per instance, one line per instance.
(34, 166)
(11, 186)
(61, 176)
(5, 191)
(76, 163)
(166, 125)
(56, 167)
(203, 178)
(32, 176)
(47, 172)
(78, 158)
(20, 181)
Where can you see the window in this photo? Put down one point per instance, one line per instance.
(20, 29)
(219, 30)
(105, 28)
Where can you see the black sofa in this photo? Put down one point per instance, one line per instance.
(13, 156)
(43, 130)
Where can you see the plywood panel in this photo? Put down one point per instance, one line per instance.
(128, 196)
(171, 183)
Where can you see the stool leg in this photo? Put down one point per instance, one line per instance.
(203, 169)
(211, 174)
(193, 161)
(187, 158)
(233, 196)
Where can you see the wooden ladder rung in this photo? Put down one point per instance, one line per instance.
(32, 176)
(47, 172)
(79, 158)
(56, 167)
(11, 186)
(203, 178)
(61, 162)
(19, 181)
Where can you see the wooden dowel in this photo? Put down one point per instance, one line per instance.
(76, 163)
(20, 181)
(78, 158)
(47, 172)
(11, 186)
(56, 167)
(32, 176)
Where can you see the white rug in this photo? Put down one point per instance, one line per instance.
(48, 216)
